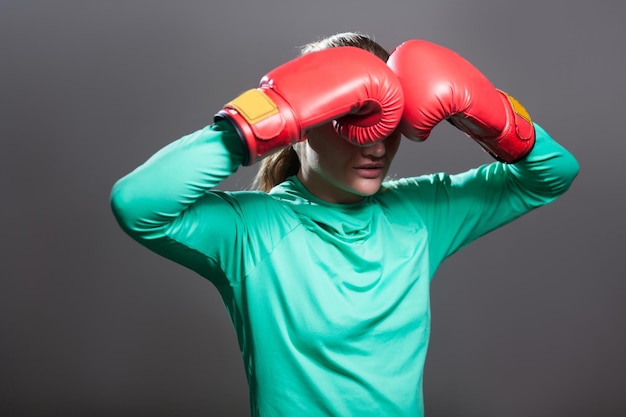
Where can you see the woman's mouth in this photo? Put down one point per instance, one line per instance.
(370, 171)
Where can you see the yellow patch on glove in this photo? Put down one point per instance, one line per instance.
(518, 108)
(254, 106)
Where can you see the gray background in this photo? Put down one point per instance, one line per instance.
(528, 321)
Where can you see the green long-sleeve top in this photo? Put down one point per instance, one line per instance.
(330, 302)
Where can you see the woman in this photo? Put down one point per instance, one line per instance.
(325, 271)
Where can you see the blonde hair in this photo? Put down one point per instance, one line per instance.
(285, 163)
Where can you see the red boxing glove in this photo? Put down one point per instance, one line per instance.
(440, 84)
(347, 85)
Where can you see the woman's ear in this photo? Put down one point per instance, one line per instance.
(299, 147)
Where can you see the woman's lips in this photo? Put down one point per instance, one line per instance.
(370, 171)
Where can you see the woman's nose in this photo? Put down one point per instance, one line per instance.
(376, 150)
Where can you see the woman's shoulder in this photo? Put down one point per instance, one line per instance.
(411, 184)
(248, 200)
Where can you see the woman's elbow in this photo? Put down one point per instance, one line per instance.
(120, 204)
(566, 172)
(125, 204)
